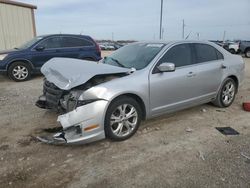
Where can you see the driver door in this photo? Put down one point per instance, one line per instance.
(170, 91)
(50, 49)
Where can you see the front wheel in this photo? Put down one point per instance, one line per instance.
(226, 94)
(122, 119)
(19, 71)
(232, 51)
(247, 53)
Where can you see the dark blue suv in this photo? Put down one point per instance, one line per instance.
(21, 62)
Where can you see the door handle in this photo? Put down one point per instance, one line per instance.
(223, 66)
(191, 74)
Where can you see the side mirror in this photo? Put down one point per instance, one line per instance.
(166, 67)
(40, 48)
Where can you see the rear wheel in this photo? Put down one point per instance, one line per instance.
(122, 119)
(226, 94)
(19, 71)
(247, 53)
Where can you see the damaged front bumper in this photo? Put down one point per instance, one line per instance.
(85, 124)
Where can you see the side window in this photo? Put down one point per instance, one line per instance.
(219, 55)
(205, 53)
(53, 42)
(180, 55)
(69, 42)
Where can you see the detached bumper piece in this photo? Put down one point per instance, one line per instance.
(61, 137)
(42, 103)
(57, 139)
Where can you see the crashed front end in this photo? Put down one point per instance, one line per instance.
(82, 120)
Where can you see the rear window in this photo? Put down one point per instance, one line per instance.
(68, 42)
(205, 53)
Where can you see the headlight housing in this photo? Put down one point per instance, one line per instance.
(2, 56)
(84, 102)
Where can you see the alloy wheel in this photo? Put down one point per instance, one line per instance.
(123, 120)
(228, 93)
(20, 72)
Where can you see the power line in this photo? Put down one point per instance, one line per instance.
(229, 25)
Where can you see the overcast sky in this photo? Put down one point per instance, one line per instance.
(139, 19)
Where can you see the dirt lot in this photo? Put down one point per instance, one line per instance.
(180, 150)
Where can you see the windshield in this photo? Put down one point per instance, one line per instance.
(137, 55)
(30, 43)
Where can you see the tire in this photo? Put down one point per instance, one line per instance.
(227, 93)
(24, 71)
(122, 127)
(232, 51)
(247, 53)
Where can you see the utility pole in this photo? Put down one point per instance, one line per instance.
(198, 36)
(183, 29)
(112, 36)
(161, 20)
(224, 36)
(162, 35)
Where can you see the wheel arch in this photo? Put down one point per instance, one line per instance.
(20, 60)
(248, 48)
(137, 99)
(236, 81)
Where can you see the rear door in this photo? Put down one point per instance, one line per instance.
(76, 47)
(208, 69)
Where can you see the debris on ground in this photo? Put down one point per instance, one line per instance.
(246, 106)
(53, 164)
(69, 155)
(227, 131)
(157, 128)
(244, 155)
(189, 130)
(201, 155)
(203, 110)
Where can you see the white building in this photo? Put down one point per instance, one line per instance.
(17, 23)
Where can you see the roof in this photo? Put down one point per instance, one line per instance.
(18, 4)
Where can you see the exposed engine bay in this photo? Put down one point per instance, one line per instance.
(74, 121)
(64, 101)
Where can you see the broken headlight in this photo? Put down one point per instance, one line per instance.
(84, 102)
(73, 100)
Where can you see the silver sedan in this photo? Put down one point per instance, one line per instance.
(137, 82)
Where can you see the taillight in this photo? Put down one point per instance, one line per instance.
(97, 46)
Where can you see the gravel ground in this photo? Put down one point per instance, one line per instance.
(179, 150)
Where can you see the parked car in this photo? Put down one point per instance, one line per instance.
(21, 62)
(233, 47)
(117, 46)
(107, 46)
(137, 82)
(245, 48)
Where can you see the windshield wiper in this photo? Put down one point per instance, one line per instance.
(118, 62)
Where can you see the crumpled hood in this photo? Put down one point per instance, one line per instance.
(67, 73)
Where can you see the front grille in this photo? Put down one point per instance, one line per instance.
(53, 94)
